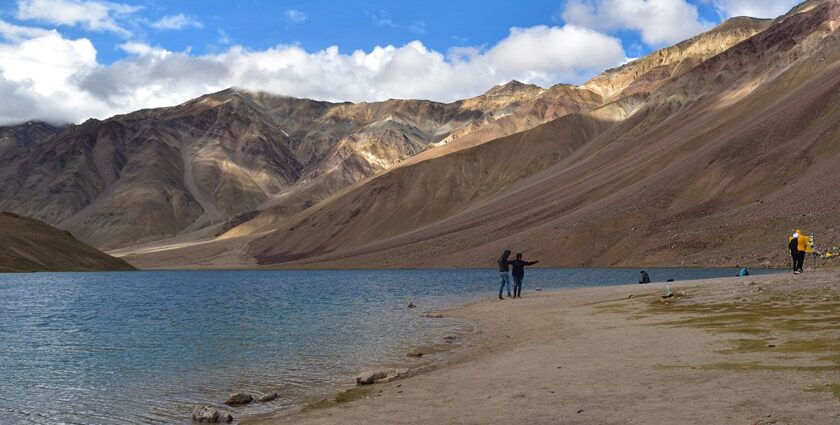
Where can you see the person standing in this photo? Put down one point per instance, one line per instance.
(518, 266)
(797, 246)
(794, 251)
(644, 277)
(504, 272)
(802, 247)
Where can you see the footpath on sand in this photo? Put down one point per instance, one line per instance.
(754, 350)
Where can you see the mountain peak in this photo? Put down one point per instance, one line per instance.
(510, 88)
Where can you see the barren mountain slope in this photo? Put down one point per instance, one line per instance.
(28, 245)
(716, 168)
(517, 107)
(646, 74)
(13, 137)
(158, 173)
(161, 173)
(150, 173)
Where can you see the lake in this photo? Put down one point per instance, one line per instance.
(145, 347)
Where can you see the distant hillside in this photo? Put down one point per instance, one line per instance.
(705, 153)
(28, 245)
(18, 136)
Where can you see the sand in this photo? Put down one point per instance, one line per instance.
(760, 353)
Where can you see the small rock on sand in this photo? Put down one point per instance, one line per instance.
(209, 414)
(538, 290)
(389, 378)
(433, 315)
(402, 372)
(411, 305)
(236, 399)
(369, 377)
(267, 398)
(415, 352)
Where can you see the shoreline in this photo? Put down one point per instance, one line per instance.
(436, 356)
(446, 358)
(525, 332)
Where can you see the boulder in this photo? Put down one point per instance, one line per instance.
(369, 377)
(415, 352)
(209, 414)
(267, 398)
(236, 399)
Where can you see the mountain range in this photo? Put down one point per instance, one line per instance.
(706, 153)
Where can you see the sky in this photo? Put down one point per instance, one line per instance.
(64, 61)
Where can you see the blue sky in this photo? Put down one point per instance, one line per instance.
(68, 60)
(350, 24)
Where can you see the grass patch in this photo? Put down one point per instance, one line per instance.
(833, 359)
(809, 346)
(832, 388)
(756, 366)
(746, 346)
(821, 345)
(352, 394)
(347, 396)
(758, 317)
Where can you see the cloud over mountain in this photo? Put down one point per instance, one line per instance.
(754, 8)
(659, 22)
(61, 80)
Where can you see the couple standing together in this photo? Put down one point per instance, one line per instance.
(518, 266)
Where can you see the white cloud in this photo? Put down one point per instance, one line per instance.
(61, 80)
(293, 16)
(39, 80)
(660, 22)
(176, 22)
(90, 14)
(14, 32)
(754, 8)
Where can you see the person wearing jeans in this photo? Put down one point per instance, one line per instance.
(504, 267)
(518, 266)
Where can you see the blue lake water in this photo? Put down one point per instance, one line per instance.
(144, 347)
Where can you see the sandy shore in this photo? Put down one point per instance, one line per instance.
(756, 350)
